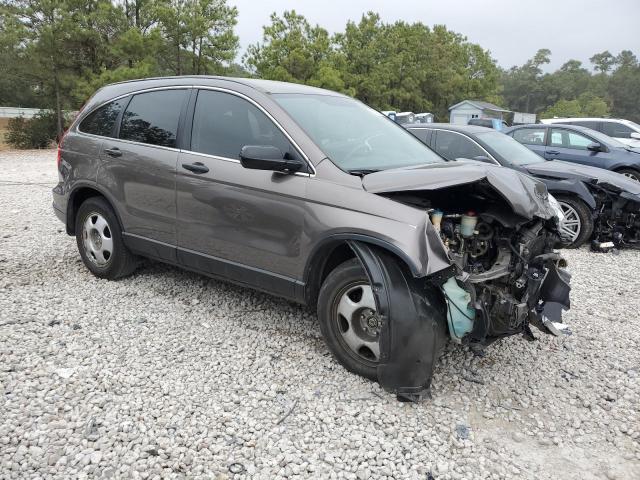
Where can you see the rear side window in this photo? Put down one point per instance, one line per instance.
(153, 118)
(585, 123)
(529, 136)
(421, 133)
(453, 145)
(224, 123)
(102, 121)
(615, 129)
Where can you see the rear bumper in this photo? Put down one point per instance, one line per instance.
(59, 203)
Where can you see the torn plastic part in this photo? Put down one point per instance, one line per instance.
(460, 314)
(413, 316)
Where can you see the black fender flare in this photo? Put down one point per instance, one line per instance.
(70, 214)
(413, 315)
(570, 186)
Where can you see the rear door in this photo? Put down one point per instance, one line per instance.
(571, 146)
(245, 225)
(139, 169)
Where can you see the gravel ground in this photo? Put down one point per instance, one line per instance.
(168, 374)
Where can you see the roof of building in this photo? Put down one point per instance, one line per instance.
(481, 105)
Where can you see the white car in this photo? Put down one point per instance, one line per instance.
(625, 131)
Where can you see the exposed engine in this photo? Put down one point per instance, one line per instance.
(617, 223)
(505, 274)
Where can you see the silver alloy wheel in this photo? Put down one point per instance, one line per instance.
(571, 226)
(97, 239)
(358, 321)
(632, 176)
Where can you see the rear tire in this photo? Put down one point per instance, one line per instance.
(338, 331)
(99, 239)
(576, 210)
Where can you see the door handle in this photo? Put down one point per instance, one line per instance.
(196, 167)
(553, 152)
(113, 152)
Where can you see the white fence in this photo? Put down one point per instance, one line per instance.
(13, 112)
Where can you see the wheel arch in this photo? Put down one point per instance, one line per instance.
(77, 197)
(334, 250)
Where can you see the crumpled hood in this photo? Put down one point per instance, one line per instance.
(527, 196)
(567, 170)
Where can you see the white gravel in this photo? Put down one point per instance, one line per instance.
(168, 374)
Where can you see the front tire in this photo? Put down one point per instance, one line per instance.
(630, 173)
(578, 225)
(99, 239)
(348, 319)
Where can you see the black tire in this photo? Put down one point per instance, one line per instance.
(121, 262)
(343, 276)
(630, 173)
(586, 219)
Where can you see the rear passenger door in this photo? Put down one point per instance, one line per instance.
(138, 168)
(241, 224)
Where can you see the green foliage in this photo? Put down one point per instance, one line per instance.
(586, 105)
(56, 53)
(397, 66)
(37, 132)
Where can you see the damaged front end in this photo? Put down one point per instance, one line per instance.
(617, 221)
(504, 274)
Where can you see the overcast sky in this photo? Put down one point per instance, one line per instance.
(512, 30)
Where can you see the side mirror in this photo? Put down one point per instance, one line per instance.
(268, 157)
(594, 147)
(635, 135)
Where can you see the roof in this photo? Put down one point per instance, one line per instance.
(582, 119)
(471, 129)
(576, 128)
(481, 105)
(266, 86)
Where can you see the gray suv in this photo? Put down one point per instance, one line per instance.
(313, 196)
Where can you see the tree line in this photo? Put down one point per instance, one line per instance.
(56, 53)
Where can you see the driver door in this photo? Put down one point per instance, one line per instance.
(241, 224)
(571, 146)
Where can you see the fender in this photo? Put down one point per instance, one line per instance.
(576, 187)
(413, 317)
(93, 186)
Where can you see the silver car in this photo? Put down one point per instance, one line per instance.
(313, 196)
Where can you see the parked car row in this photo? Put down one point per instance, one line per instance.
(597, 204)
(313, 196)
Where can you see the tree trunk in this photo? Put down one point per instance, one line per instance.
(178, 60)
(199, 55)
(56, 86)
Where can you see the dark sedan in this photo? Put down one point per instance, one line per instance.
(576, 144)
(597, 203)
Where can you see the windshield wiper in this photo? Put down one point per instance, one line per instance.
(362, 171)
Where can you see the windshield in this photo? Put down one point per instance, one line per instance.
(606, 139)
(354, 136)
(506, 147)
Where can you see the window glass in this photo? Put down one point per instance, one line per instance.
(102, 120)
(585, 123)
(453, 145)
(153, 118)
(567, 139)
(354, 136)
(224, 123)
(615, 129)
(420, 133)
(529, 136)
(507, 148)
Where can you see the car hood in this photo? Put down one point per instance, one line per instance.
(527, 197)
(573, 171)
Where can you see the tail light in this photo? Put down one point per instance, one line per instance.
(59, 158)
